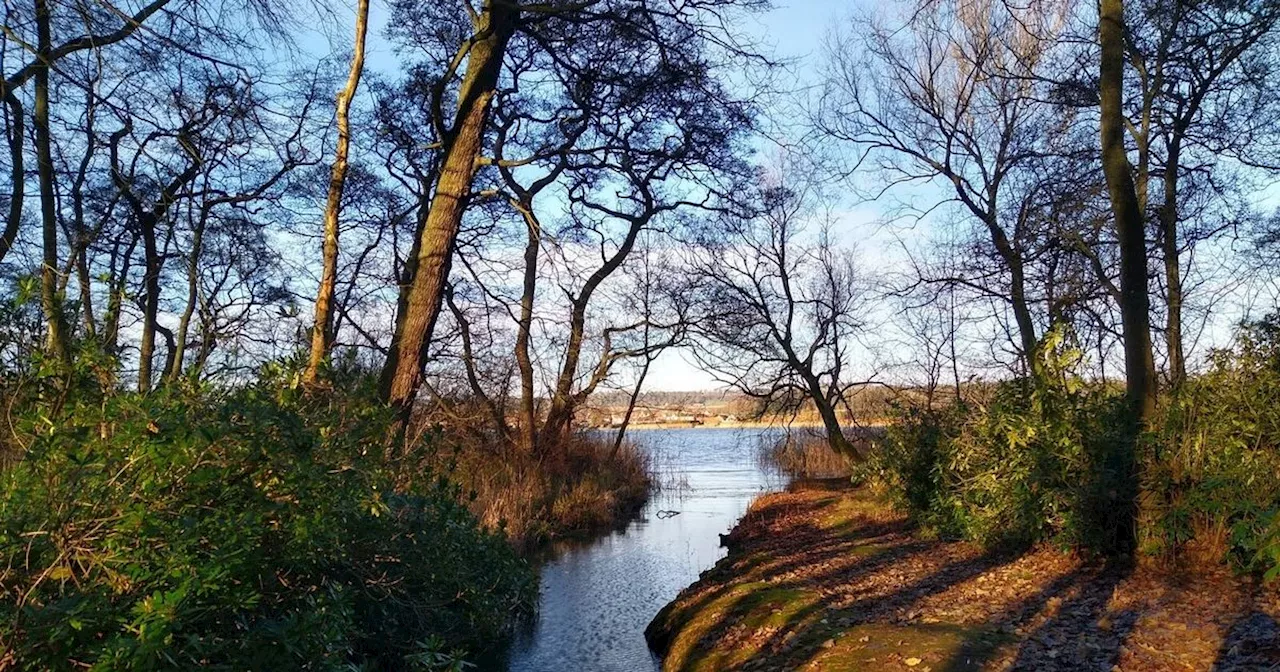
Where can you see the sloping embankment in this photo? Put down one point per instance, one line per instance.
(825, 577)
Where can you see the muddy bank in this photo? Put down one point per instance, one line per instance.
(825, 577)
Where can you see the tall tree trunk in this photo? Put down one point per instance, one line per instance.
(402, 374)
(153, 264)
(174, 369)
(528, 407)
(1140, 386)
(1172, 270)
(322, 335)
(57, 340)
(1139, 363)
(18, 183)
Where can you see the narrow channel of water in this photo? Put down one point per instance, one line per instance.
(597, 597)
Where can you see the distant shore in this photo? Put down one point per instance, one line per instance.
(739, 424)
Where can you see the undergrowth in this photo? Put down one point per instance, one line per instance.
(1044, 460)
(250, 528)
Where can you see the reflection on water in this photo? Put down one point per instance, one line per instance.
(598, 597)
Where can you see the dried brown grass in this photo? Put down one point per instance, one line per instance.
(577, 488)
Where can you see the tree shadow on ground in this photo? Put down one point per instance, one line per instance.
(1252, 643)
(1080, 633)
(785, 612)
(849, 594)
(1063, 626)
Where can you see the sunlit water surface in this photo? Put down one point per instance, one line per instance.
(597, 597)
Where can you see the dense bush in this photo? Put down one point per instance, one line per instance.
(249, 529)
(1043, 460)
(1212, 482)
(1039, 461)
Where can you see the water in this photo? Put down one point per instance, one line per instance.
(596, 598)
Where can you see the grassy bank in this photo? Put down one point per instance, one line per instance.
(825, 577)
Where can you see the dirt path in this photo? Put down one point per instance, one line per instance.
(827, 578)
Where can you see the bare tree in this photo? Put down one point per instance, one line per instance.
(780, 309)
(1201, 94)
(955, 97)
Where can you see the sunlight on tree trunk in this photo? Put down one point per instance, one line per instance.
(402, 374)
(1140, 376)
(322, 331)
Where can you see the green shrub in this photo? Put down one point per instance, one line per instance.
(1213, 481)
(250, 529)
(1040, 461)
(1045, 460)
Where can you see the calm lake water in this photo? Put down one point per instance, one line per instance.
(597, 597)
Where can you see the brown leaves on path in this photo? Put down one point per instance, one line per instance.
(825, 577)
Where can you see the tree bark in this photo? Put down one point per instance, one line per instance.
(402, 374)
(836, 439)
(1140, 383)
(1172, 269)
(152, 266)
(528, 405)
(322, 335)
(17, 186)
(1018, 299)
(57, 337)
(173, 370)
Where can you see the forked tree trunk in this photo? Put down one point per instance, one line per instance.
(402, 374)
(322, 335)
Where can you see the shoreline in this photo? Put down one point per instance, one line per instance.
(877, 424)
(828, 577)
